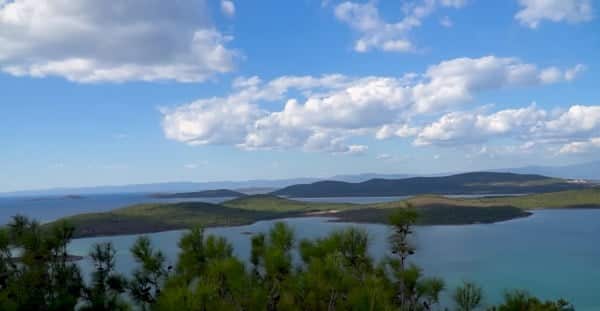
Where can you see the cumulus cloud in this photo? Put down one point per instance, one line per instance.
(576, 120)
(324, 113)
(572, 11)
(375, 33)
(99, 41)
(463, 127)
(456, 80)
(574, 129)
(581, 146)
(228, 8)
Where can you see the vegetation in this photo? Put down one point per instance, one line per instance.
(468, 183)
(278, 204)
(563, 199)
(144, 218)
(332, 273)
(432, 209)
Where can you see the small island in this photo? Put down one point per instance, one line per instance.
(433, 209)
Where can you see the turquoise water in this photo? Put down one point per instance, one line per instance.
(51, 208)
(553, 253)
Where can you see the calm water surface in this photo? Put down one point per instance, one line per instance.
(553, 253)
(50, 208)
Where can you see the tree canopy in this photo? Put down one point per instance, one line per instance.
(335, 272)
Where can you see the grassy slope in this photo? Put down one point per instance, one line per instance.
(278, 204)
(434, 210)
(562, 199)
(144, 218)
(438, 210)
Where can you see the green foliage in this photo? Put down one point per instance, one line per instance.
(41, 277)
(519, 300)
(468, 297)
(335, 272)
(147, 279)
(104, 294)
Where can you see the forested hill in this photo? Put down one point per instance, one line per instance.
(468, 183)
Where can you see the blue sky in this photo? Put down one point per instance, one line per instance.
(195, 90)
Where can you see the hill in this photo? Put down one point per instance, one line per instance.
(468, 183)
(588, 170)
(146, 218)
(266, 202)
(219, 193)
(433, 210)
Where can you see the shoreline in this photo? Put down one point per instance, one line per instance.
(433, 210)
(327, 214)
(334, 215)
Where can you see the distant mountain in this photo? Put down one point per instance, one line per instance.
(219, 193)
(169, 187)
(590, 170)
(246, 186)
(468, 183)
(368, 176)
(579, 171)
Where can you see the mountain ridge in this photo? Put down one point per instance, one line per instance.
(466, 183)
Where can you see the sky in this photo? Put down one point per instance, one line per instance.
(103, 92)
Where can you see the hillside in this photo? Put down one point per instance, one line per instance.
(271, 203)
(219, 193)
(588, 170)
(468, 183)
(433, 210)
(145, 218)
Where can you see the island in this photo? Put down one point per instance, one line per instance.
(433, 209)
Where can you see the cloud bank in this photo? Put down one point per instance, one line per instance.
(101, 41)
(326, 113)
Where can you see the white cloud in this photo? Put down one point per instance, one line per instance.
(209, 121)
(458, 128)
(399, 130)
(446, 22)
(572, 73)
(554, 75)
(454, 3)
(581, 146)
(456, 80)
(384, 156)
(572, 11)
(96, 41)
(228, 8)
(576, 120)
(375, 33)
(356, 149)
(574, 129)
(323, 113)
